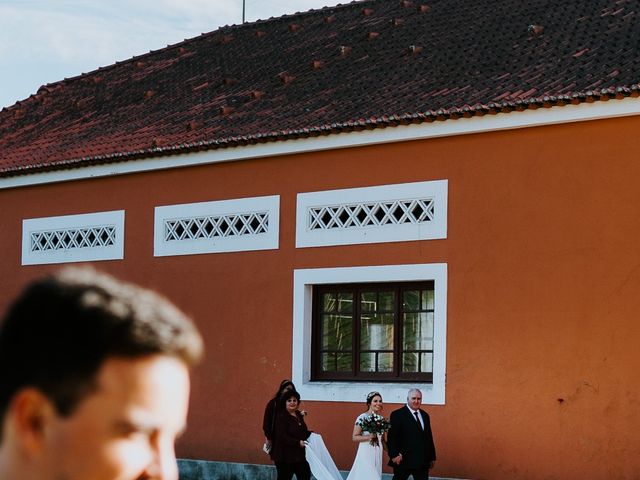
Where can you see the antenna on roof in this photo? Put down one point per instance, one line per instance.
(243, 2)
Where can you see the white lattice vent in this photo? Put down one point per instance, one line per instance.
(386, 213)
(73, 238)
(219, 226)
(216, 226)
(372, 214)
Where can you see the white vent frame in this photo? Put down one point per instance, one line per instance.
(72, 238)
(356, 205)
(228, 239)
(334, 391)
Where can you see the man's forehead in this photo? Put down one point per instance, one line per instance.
(141, 390)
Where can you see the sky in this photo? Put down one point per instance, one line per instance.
(44, 41)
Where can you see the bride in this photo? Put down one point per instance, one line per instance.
(368, 462)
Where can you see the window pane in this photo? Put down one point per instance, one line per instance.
(387, 300)
(336, 332)
(368, 302)
(427, 329)
(367, 362)
(329, 302)
(426, 362)
(417, 331)
(345, 363)
(385, 362)
(345, 302)
(328, 362)
(409, 362)
(427, 299)
(411, 300)
(376, 332)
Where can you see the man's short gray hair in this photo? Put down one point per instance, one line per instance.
(412, 391)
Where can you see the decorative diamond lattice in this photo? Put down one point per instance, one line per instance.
(371, 214)
(73, 238)
(231, 225)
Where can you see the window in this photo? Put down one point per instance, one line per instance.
(402, 310)
(380, 332)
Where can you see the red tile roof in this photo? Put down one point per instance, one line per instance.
(364, 65)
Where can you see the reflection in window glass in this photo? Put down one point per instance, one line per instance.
(329, 362)
(345, 302)
(417, 362)
(411, 300)
(385, 362)
(427, 300)
(376, 362)
(368, 302)
(345, 362)
(329, 302)
(368, 362)
(380, 332)
(426, 362)
(410, 362)
(337, 332)
(376, 332)
(387, 301)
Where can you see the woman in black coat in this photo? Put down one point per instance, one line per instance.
(288, 446)
(271, 410)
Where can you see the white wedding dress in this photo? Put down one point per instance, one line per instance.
(319, 459)
(368, 462)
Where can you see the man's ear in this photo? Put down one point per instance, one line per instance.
(30, 412)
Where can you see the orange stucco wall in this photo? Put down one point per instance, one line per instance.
(543, 370)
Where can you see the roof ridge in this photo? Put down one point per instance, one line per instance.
(380, 121)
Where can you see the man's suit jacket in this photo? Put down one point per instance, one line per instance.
(406, 437)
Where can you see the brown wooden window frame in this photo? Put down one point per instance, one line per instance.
(396, 375)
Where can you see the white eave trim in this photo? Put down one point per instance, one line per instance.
(488, 123)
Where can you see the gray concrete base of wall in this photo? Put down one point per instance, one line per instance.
(204, 470)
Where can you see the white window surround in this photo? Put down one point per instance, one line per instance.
(235, 225)
(73, 238)
(303, 282)
(369, 214)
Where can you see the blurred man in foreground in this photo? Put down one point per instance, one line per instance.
(94, 380)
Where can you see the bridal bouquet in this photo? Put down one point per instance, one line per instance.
(374, 424)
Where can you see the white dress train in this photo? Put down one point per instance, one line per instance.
(368, 462)
(319, 459)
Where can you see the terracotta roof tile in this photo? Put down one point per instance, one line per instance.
(364, 65)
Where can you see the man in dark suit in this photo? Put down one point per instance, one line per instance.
(410, 441)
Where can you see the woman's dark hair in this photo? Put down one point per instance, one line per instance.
(371, 396)
(283, 386)
(287, 395)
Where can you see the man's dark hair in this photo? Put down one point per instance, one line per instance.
(60, 330)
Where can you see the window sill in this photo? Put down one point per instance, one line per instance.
(357, 391)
